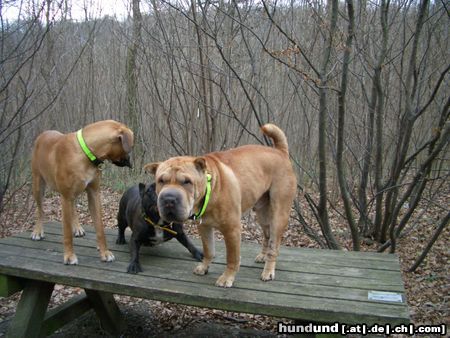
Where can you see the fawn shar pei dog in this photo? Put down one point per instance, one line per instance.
(69, 164)
(218, 187)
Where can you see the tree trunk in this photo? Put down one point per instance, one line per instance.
(341, 126)
(405, 128)
(323, 191)
(132, 71)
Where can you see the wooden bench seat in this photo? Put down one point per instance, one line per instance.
(311, 285)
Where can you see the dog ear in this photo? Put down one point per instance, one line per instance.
(151, 167)
(141, 189)
(127, 140)
(200, 164)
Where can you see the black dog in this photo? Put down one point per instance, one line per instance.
(138, 210)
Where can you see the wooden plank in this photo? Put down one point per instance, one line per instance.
(393, 278)
(296, 257)
(107, 311)
(331, 255)
(235, 299)
(10, 285)
(175, 250)
(31, 309)
(65, 313)
(247, 279)
(301, 291)
(328, 257)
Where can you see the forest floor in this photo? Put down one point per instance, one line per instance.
(427, 289)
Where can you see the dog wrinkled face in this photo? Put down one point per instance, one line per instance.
(180, 182)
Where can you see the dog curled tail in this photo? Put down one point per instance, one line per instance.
(278, 137)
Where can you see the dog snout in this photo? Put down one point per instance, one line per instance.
(169, 200)
(123, 162)
(170, 205)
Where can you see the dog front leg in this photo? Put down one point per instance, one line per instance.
(68, 212)
(95, 209)
(77, 229)
(209, 251)
(233, 245)
(187, 243)
(134, 266)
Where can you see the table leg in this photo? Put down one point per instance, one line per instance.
(108, 312)
(31, 309)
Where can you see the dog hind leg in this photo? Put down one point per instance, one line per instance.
(263, 218)
(278, 224)
(280, 197)
(38, 194)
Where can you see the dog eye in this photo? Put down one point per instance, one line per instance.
(161, 181)
(187, 181)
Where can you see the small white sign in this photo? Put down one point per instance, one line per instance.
(385, 296)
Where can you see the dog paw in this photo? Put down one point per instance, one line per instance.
(261, 258)
(79, 232)
(225, 281)
(201, 269)
(37, 236)
(267, 275)
(134, 268)
(107, 256)
(70, 259)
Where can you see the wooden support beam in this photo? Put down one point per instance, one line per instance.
(65, 313)
(31, 310)
(10, 285)
(107, 310)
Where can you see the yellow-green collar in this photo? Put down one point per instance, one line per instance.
(86, 149)
(206, 199)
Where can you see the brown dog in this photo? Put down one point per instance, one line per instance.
(249, 176)
(59, 161)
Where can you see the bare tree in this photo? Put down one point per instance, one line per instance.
(132, 69)
(345, 194)
(358, 87)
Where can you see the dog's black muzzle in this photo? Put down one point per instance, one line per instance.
(124, 162)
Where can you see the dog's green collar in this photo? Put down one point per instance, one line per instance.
(86, 149)
(206, 200)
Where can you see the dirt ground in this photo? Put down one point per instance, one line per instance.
(427, 289)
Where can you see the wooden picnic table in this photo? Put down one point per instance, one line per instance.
(311, 285)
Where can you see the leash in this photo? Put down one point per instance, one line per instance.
(94, 160)
(206, 199)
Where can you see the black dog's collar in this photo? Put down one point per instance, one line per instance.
(166, 227)
(147, 218)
